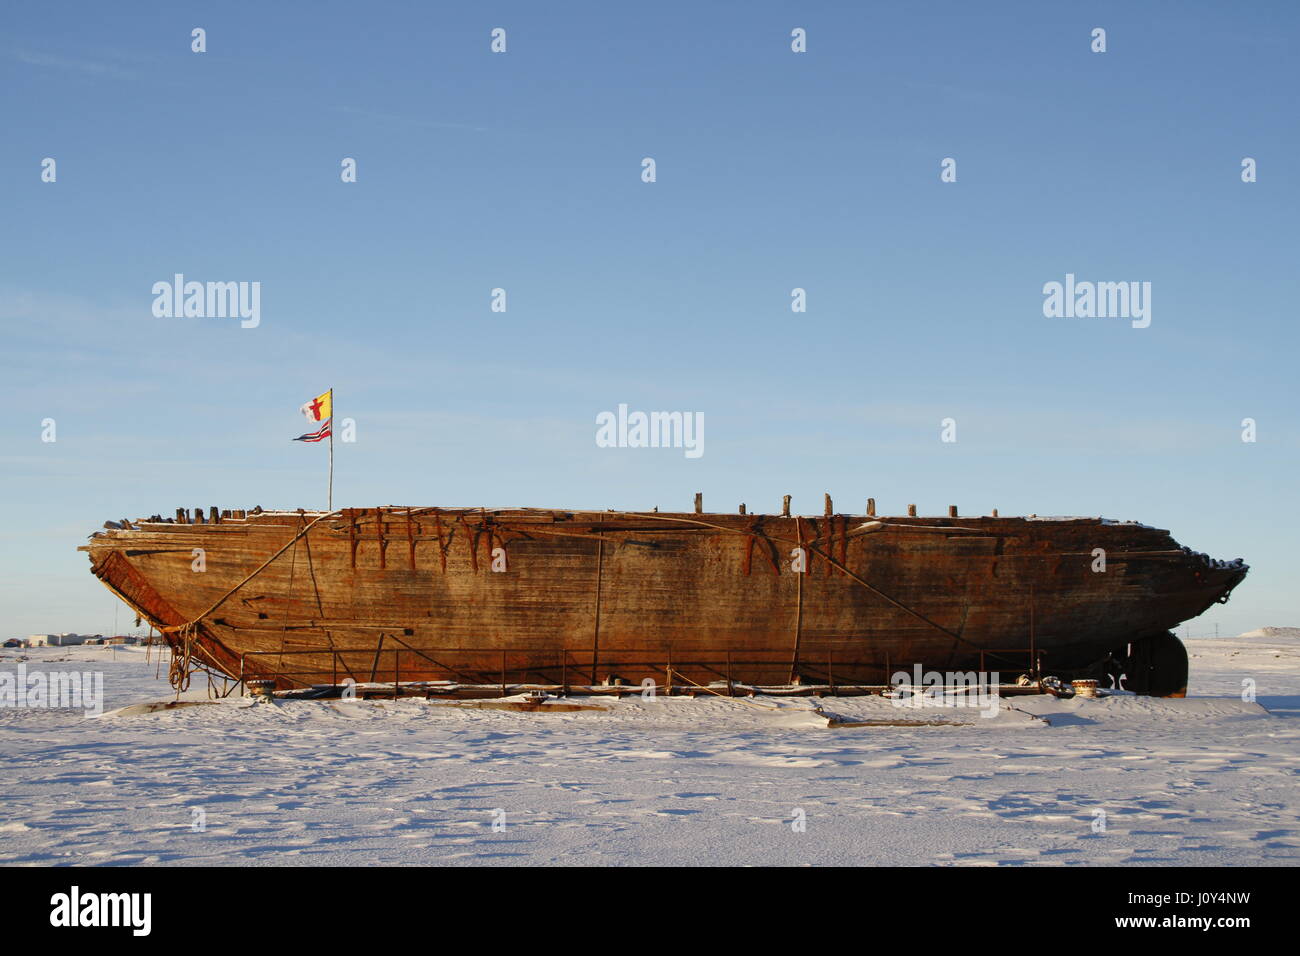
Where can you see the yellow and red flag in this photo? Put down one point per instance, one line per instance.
(318, 409)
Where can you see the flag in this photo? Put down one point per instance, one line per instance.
(318, 409)
(324, 432)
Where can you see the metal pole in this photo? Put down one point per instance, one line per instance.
(329, 504)
(595, 636)
(1033, 657)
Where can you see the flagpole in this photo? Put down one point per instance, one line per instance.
(330, 501)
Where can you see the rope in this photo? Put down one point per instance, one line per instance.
(751, 703)
(178, 672)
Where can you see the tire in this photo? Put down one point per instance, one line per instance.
(1158, 667)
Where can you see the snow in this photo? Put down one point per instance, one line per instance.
(1272, 632)
(1206, 780)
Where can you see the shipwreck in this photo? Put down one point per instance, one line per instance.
(490, 600)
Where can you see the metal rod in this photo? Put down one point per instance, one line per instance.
(798, 619)
(374, 667)
(595, 636)
(1033, 657)
(329, 498)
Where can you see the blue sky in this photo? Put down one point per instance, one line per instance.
(775, 170)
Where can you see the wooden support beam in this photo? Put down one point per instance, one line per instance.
(952, 511)
(352, 535)
(442, 551)
(699, 502)
(871, 507)
(785, 506)
(469, 540)
(911, 511)
(830, 508)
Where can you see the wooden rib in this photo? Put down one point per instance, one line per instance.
(442, 549)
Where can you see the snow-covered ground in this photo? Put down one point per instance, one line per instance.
(1207, 780)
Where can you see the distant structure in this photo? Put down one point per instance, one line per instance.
(56, 640)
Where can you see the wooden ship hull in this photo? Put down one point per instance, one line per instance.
(505, 598)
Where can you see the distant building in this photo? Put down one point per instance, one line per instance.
(55, 640)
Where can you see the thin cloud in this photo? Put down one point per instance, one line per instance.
(76, 65)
